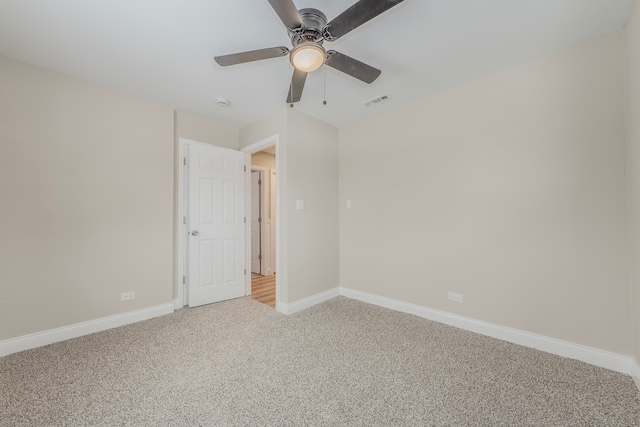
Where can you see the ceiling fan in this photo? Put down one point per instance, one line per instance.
(308, 29)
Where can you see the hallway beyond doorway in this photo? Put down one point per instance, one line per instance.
(263, 289)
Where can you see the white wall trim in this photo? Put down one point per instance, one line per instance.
(635, 373)
(604, 359)
(179, 226)
(307, 302)
(273, 201)
(262, 144)
(38, 339)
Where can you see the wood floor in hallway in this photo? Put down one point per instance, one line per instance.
(263, 289)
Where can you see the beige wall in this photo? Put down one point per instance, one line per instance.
(86, 201)
(632, 72)
(313, 232)
(510, 190)
(273, 124)
(308, 170)
(204, 130)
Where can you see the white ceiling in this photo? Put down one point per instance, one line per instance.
(162, 50)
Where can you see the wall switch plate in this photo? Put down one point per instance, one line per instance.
(126, 296)
(455, 297)
(299, 205)
(348, 204)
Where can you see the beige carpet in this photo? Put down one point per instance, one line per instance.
(240, 363)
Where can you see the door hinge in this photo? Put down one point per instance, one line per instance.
(185, 161)
(259, 182)
(259, 219)
(184, 219)
(245, 271)
(245, 168)
(184, 279)
(260, 257)
(245, 219)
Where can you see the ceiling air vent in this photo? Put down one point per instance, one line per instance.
(376, 100)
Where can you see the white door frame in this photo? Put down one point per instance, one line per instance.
(249, 150)
(272, 215)
(181, 224)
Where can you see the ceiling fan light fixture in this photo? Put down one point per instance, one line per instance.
(308, 57)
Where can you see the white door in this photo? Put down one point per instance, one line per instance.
(216, 222)
(255, 222)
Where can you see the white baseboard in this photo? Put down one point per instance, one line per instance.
(594, 356)
(303, 303)
(608, 360)
(635, 373)
(26, 342)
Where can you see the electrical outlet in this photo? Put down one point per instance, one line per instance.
(126, 296)
(455, 297)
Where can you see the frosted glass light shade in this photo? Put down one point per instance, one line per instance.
(308, 57)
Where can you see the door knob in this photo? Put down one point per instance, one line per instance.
(194, 233)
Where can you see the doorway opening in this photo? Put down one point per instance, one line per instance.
(262, 221)
(263, 226)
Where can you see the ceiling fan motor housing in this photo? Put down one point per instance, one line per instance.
(313, 21)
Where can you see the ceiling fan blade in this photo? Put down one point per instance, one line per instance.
(353, 67)
(252, 55)
(287, 12)
(358, 14)
(297, 84)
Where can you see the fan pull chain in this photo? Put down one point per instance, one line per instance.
(291, 93)
(324, 85)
